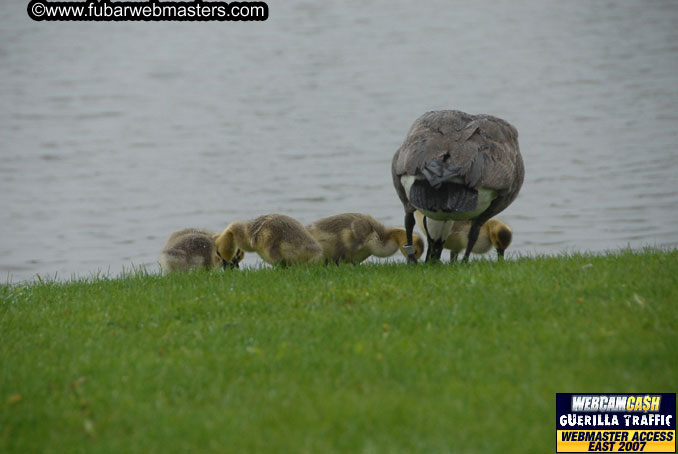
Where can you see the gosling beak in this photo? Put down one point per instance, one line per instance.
(500, 254)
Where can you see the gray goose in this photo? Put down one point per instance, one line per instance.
(454, 166)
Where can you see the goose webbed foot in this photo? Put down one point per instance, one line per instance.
(410, 250)
(434, 250)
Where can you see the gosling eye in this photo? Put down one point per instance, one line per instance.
(218, 254)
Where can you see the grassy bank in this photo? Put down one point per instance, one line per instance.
(374, 358)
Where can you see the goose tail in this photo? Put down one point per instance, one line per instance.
(443, 169)
(447, 197)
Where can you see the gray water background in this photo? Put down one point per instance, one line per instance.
(113, 135)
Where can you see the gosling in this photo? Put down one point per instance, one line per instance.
(278, 239)
(353, 237)
(193, 248)
(494, 233)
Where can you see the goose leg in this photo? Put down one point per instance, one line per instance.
(434, 250)
(453, 256)
(472, 237)
(435, 247)
(409, 228)
(429, 248)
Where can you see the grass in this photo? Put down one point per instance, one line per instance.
(374, 358)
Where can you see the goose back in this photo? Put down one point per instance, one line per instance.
(455, 148)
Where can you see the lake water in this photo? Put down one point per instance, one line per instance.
(113, 135)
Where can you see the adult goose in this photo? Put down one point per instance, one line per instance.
(454, 166)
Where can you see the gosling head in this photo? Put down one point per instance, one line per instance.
(237, 258)
(500, 235)
(225, 245)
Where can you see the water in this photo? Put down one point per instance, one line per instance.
(113, 135)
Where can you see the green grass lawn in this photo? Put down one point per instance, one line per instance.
(377, 358)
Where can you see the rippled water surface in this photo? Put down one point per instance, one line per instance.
(113, 135)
